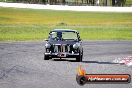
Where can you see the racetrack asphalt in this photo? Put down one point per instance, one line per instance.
(22, 65)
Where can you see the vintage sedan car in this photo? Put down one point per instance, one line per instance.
(63, 43)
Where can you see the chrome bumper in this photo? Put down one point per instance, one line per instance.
(61, 54)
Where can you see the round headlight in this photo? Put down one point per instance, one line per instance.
(47, 45)
(75, 46)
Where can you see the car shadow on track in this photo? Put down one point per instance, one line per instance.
(98, 62)
(64, 60)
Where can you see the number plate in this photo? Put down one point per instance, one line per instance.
(62, 54)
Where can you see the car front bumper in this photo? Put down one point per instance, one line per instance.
(62, 55)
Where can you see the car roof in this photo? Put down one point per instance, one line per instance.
(64, 30)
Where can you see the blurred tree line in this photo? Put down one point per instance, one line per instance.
(74, 2)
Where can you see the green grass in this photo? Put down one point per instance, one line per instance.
(29, 24)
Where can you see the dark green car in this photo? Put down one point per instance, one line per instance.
(63, 43)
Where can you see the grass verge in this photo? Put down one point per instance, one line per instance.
(29, 24)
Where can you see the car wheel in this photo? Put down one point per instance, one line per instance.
(79, 58)
(46, 57)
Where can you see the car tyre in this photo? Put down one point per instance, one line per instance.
(79, 58)
(46, 57)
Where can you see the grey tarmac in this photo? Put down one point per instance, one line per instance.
(22, 65)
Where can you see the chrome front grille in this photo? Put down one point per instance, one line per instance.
(61, 48)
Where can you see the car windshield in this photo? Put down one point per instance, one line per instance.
(63, 36)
